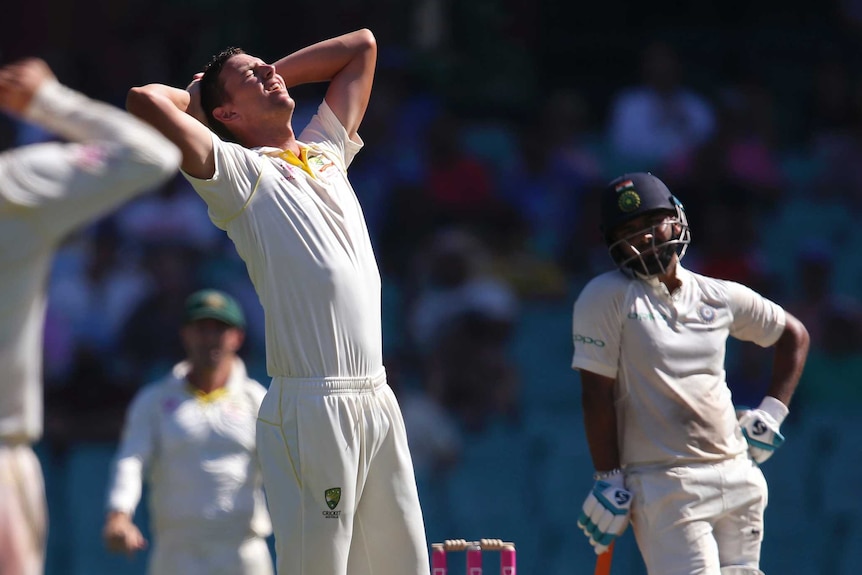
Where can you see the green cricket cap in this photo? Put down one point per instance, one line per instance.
(214, 304)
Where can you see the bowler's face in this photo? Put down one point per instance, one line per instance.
(253, 86)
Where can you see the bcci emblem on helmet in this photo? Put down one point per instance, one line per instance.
(628, 199)
(332, 496)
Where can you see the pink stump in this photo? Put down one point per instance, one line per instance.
(507, 561)
(474, 560)
(438, 561)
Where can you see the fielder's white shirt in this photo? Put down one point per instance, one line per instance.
(46, 191)
(198, 456)
(667, 355)
(303, 238)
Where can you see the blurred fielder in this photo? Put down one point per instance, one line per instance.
(333, 450)
(663, 433)
(46, 191)
(193, 435)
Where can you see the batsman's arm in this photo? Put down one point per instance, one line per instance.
(347, 62)
(600, 420)
(171, 112)
(791, 351)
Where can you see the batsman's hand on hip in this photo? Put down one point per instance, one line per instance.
(761, 432)
(605, 513)
(760, 428)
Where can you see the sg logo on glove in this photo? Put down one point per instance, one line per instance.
(605, 514)
(622, 497)
(758, 427)
(761, 432)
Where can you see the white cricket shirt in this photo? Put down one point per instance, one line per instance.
(198, 456)
(46, 191)
(667, 355)
(303, 238)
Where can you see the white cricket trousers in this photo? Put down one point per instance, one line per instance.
(339, 479)
(23, 514)
(212, 556)
(695, 519)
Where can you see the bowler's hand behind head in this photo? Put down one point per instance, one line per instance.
(195, 110)
(19, 81)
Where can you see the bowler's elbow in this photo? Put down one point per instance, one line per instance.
(138, 100)
(366, 39)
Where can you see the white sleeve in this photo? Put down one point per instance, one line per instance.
(111, 157)
(326, 131)
(237, 172)
(755, 318)
(597, 328)
(133, 456)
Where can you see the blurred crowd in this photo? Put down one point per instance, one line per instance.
(491, 127)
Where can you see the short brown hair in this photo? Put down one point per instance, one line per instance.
(212, 91)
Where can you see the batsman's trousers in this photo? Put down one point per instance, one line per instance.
(695, 519)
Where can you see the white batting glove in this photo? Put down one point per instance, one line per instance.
(605, 513)
(761, 428)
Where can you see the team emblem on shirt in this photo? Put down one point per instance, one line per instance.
(288, 171)
(706, 313)
(321, 165)
(332, 496)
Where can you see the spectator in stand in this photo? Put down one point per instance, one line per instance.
(553, 168)
(461, 321)
(815, 266)
(173, 215)
(460, 185)
(834, 367)
(95, 299)
(739, 164)
(660, 118)
(149, 344)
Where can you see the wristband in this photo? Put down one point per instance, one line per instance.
(775, 408)
(604, 475)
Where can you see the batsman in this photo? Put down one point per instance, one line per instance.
(671, 452)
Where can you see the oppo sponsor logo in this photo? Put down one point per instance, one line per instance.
(645, 316)
(588, 340)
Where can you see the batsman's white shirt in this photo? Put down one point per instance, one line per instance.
(197, 453)
(46, 191)
(667, 355)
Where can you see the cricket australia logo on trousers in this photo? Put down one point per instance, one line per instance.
(332, 496)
